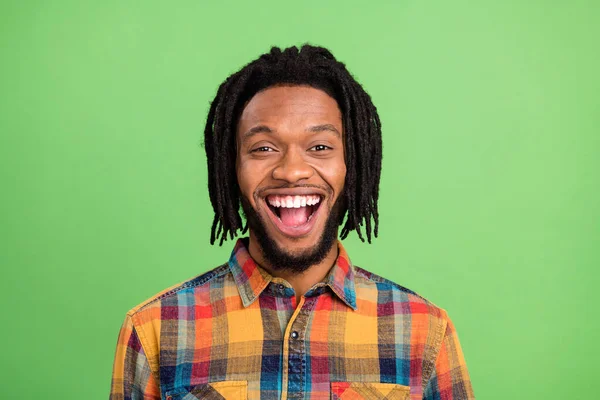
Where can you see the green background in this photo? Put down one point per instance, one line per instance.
(490, 202)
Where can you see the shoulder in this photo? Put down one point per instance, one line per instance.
(390, 292)
(208, 278)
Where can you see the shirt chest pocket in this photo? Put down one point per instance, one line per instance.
(368, 391)
(230, 390)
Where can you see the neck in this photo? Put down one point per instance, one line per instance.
(301, 282)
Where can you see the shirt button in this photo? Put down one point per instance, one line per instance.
(294, 335)
(281, 286)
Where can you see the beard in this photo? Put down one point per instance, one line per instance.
(281, 259)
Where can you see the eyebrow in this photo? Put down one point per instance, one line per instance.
(256, 130)
(324, 127)
(265, 129)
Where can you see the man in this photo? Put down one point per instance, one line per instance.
(295, 141)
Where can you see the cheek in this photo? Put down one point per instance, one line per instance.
(244, 179)
(335, 175)
(341, 178)
(249, 177)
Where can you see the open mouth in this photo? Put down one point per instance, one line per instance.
(293, 211)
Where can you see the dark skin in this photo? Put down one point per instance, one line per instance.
(289, 136)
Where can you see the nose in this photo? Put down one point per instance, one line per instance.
(292, 168)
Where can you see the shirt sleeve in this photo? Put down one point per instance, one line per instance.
(450, 378)
(132, 377)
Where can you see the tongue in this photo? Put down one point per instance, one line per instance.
(294, 216)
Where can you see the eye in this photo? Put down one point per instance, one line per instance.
(262, 149)
(320, 147)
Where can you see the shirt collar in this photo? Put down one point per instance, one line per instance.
(251, 279)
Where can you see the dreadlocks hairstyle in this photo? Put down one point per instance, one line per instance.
(318, 68)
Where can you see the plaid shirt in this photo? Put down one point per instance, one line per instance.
(236, 332)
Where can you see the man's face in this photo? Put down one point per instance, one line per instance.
(291, 173)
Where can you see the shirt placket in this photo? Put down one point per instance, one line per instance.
(294, 351)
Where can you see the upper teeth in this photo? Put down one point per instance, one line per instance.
(293, 201)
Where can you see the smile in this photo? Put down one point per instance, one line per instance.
(293, 215)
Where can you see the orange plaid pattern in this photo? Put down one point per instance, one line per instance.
(236, 332)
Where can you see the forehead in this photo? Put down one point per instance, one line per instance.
(285, 105)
